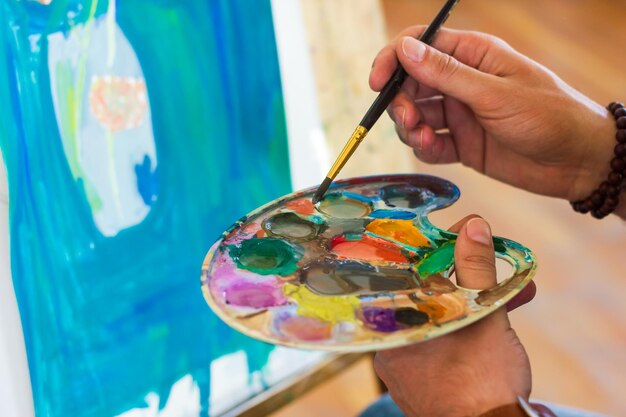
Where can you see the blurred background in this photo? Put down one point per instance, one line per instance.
(575, 329)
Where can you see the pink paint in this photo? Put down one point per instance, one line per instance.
(255, 295)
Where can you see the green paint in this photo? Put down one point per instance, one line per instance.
(437, 261)
(267, 256)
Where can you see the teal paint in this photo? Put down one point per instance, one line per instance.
(268, 256)
(109, 319)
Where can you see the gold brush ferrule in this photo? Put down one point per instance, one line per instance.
(359, 133)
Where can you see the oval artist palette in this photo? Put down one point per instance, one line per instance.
(364, 269)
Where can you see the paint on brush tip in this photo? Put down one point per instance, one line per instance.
(319, 194)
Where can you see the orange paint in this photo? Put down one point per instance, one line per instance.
(434, 310)
(367, 249)
(302, 206)
(403, 231)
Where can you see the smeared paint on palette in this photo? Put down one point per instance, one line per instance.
(364, 269)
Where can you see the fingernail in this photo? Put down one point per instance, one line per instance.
(420, 140)
(478, 230)
(413, 49)
(398, 115)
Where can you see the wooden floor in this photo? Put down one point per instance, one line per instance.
(575, 330)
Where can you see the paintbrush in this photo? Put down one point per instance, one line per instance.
(379, 105)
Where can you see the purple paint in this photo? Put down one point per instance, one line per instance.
(255, 295)
(379, 319)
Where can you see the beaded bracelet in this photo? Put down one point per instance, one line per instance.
(605, 199)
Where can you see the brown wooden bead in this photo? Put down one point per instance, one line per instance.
(618, 164)
(615, 178)
(612, 191)
(614, 105)
(597, 214)
(621, 122)
(586, 207)
(596, 199)
(619, 112)
(620, 150)
(603, 187)
(621, 135)
(611, 203)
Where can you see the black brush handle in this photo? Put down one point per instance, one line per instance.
(394, 84)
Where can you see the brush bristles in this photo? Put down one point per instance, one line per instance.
(319, 194)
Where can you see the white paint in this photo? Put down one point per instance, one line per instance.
(121, 204)
(183, 401)
(16, 399)
(308, 153)
(229, 382)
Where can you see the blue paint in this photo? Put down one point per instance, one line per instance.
(147, 181)
(393, 214)
(108, 320)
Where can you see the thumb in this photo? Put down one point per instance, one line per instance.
(474, 256)
(441, 71)
(475, 261)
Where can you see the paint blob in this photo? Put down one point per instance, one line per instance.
(342, 207)
(333, 277)
(255, 295)
(411, 316)
(328, 308)
(292, 227)
(403, 231)
(307, 329)
(393, 214)
(367, 248)
(302, 206)
(402, 196)
(266, 256)
(379, 319)
(437, 261)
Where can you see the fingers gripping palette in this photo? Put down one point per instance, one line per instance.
(364, 269)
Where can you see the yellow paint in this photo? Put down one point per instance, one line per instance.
(403, 231)
(328, 308)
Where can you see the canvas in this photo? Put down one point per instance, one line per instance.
(133, 133)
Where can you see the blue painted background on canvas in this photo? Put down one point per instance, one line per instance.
(133, 134)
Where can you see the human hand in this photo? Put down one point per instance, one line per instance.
(470, 371)
(507, 116)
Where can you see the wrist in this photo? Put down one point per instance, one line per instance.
(595, 164)
(605, 198)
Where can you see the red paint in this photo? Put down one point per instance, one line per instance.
(302, 206)
(367, 249)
